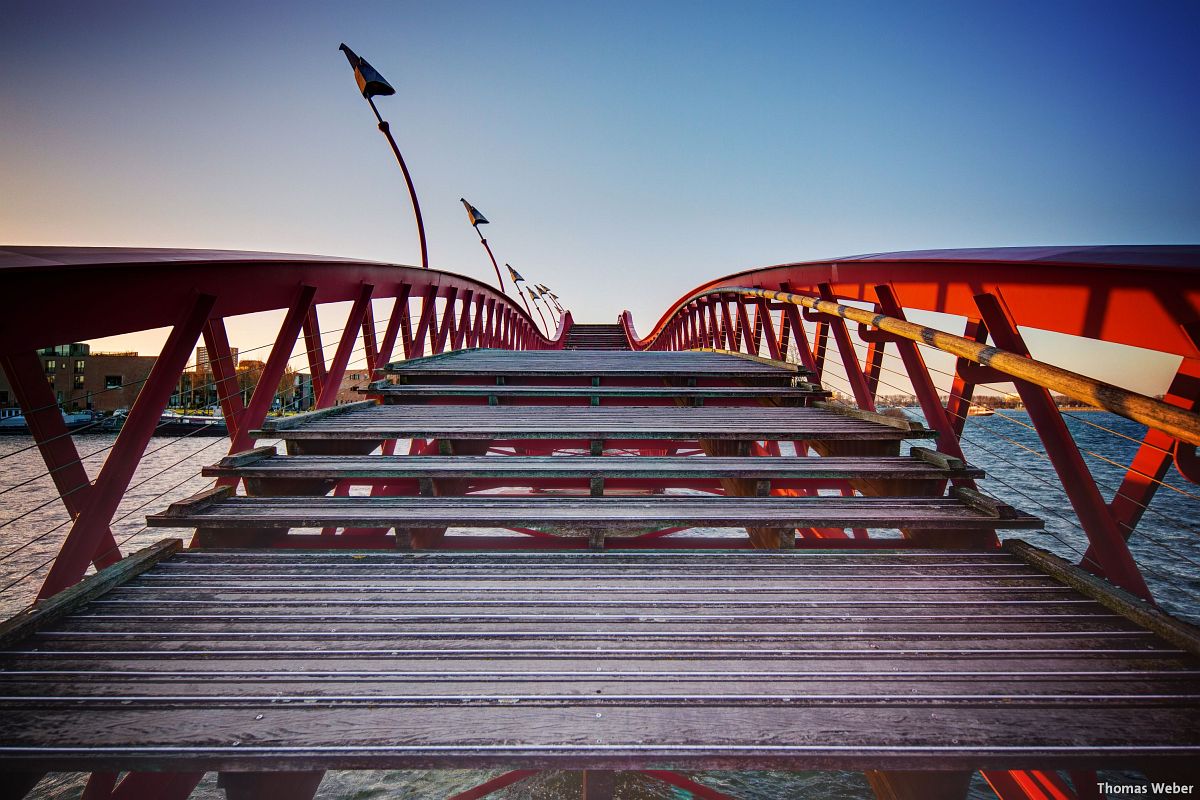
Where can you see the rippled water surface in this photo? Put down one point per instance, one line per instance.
(1166, 546)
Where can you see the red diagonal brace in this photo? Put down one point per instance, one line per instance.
(220, 359)
(854, 371)
(272, 374)
(494, 785)
(37, 401)
(90, 527)
(1111, 553)
(314, 348)
(341, 357)
(697, 790)
(918, 376)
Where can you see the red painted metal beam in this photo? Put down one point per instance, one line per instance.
(1111, 552)
(697, 790)
(90, 527)
(1028, 785)
(272, 374)
(220, 359)
(494, 785)
(314, 350)
(854, 372)
(341, 357)
(54, 442)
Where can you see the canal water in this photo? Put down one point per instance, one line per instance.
(1167, 546)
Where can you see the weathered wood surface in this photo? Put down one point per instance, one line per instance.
(584, 515)
(753, 423)
(239, 660)
(387, 390)
(592, 363)
(52, 609)
(268, 464)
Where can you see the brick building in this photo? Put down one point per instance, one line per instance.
(82, 379)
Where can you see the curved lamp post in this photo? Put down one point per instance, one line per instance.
(478, 219)
(371, 84)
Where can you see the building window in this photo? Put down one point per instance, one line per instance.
(112, 381)
(79, 365)
(51, 365)
(78, 381)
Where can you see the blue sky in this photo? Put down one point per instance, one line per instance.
(624, 152)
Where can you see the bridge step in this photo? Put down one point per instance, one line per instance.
(596, 337)
(398, 392)
(576, 363)
(250, 661)
(266, 463)
(369, 422)
(585, 516)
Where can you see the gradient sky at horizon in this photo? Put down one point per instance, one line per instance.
(624, 152)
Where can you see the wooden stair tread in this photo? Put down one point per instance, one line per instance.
(369, 421)
(266, 465)
(614, 515)
(594, 363)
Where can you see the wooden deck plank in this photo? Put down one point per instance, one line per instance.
(374, 422)
(553, 363)
(387, 391)
(236, 660)
(657, 467)
(614, 515)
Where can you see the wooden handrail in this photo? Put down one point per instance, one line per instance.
(1174, 421)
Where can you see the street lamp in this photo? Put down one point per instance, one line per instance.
(478, 219)
(371, 83)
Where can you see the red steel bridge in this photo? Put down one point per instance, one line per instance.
(627, 556)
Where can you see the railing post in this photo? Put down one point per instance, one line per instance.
(90, 527)
(370, 348)
(963, 388)
(220, 359)
(1111, 552)
(314, 349)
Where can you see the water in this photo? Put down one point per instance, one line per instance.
(1166, 546)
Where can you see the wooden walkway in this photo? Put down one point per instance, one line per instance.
(594, 637)
(243, 660)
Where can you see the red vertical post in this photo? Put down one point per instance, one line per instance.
(1111, 552)
(341, 356)
(315, 350)
(90, 527)
(963, 388)
(40, 407)
(220, 358)
(820, 346)
(370, 349)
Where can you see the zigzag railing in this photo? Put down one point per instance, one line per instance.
(1145, 297)
(58, 295)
